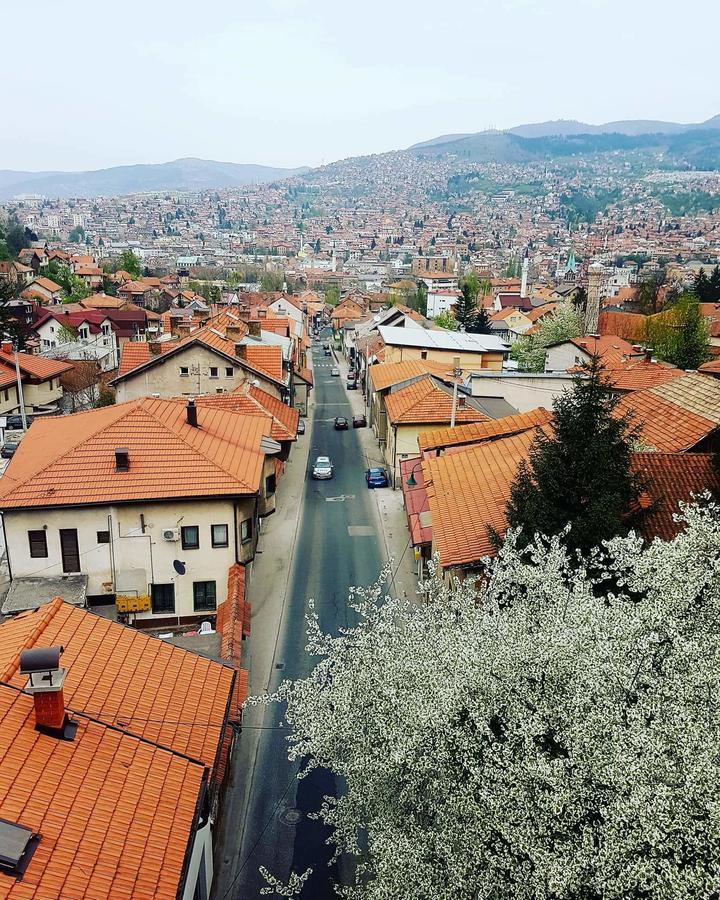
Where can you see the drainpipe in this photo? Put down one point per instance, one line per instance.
(20, 390)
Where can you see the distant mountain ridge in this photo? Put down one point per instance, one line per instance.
(188, 174)
(565, 127)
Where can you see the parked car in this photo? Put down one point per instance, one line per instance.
(328, 352)
(8, 449)
(301, 426)
(351, 383)
(15, 423)
(335, 372)
(376, 478)
(359, 421)
(323, 468)
(326, 346)
(341, 423)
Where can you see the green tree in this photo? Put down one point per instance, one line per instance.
(77, 234)
(10, 326)
(465, 309)
(446, 320)
(578, 473)
(701, 287)
(17, 237)
(554, 737)
(129, 262)
(565, 322)
(332, 295)
(649, 292)
(680, 335)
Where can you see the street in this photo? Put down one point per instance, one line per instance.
(338, 545)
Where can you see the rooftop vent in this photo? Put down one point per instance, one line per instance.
(17, 845)
(122, 459)
(191, 413)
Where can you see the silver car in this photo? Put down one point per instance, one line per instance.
(323, 468)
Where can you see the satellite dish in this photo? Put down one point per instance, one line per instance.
(179, 566)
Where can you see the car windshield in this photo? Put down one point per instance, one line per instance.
(322, 461)
(376, 472)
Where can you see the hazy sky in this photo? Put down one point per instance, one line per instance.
(301, 82)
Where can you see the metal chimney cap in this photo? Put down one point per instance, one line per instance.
(40, 659)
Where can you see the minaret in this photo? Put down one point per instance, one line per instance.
(592, 310)
(524, 282)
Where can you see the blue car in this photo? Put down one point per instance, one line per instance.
(376, 478)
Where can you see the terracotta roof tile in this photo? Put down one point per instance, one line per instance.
(70, 460)
(36, 366)
(253, 401)
(476, 433)
(424, 401)
(385, 375)
(266, 358)
(636, 375)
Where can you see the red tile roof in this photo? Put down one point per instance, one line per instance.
(476, 433)
(415, 500)
(116, 807)
(636, 375)
(629, 326)
(36, 366)
(253, 401)
(385, 375)
(69, 460)
(424, 402)
(672, 478)
(267, 358)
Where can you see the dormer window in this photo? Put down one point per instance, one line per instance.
(84, 333)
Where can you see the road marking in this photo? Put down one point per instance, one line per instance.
(361, 530)
(341, 499)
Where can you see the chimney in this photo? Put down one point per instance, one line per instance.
(234, 333)
(241, 351)
(191, 411)
(6, 346)
(461, 402)
(262, 312)
(154, 347)
(45, 683)
(255, 327)
(648, 354)
(184, 329)
(122, 459)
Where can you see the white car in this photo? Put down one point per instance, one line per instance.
(323, 468)
(335, 371)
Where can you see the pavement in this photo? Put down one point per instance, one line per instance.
(324, 537)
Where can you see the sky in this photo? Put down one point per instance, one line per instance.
(293, 82)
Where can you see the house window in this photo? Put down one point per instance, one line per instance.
(184, 371)
(219, 535)
(229, 371)
(270, 485)
(213, 371)
(204, 595)
(5, 395)
(84, 334)
(423, 354)
(103, 537)
(163, 598)
(38, 544)
(246, 530)
(190, 537)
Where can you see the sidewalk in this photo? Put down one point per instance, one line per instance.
(269, 573)
(391, 512)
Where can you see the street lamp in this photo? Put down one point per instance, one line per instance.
(457, 372)
(411, 482)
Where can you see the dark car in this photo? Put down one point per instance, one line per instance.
(359, 421)
(341, 423)
(8, 449)
(15, 423)
(351, 383)
(328, 352)
(376, 478)
(301, 426)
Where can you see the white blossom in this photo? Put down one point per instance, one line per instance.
(556, 736)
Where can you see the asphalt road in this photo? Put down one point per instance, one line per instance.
(337, 547)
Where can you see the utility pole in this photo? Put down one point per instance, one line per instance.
(457, 372)
(20, 390)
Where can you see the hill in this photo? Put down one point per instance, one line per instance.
(567, 127)
(180, 175)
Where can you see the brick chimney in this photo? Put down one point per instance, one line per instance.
(649, 354)
(184, 329)
(261, 312)
(255, 328)
(6, 346)
(234, 332)
(154, 348)
(45, 683)
(241, 351)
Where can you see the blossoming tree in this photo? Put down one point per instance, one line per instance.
(557, 736)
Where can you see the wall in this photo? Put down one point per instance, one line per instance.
(467, 360)
(140, 558)
(47, 393)
(564, 357)
(201, 862)
(165, 379)
(523, 391)
(9, 400)
(403, 444)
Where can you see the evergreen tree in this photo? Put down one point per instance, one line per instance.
(714, 285)
(578, 473)
(681, 336)
(465, 309)
(701, 287)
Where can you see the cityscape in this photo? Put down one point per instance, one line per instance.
(359, 493)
